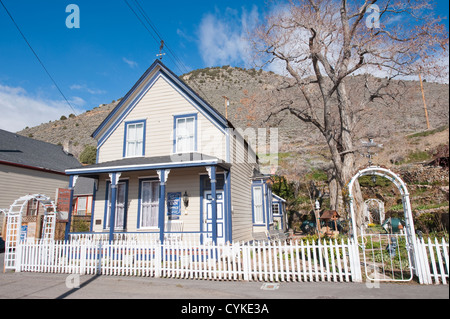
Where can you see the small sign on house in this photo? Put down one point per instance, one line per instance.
(174, 206)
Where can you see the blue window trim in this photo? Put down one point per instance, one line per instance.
(152, 179)
(175, 119)
(108, 183)
(125, 136)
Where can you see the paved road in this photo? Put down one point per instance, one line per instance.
(59, 286)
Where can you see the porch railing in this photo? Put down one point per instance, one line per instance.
(193, 237)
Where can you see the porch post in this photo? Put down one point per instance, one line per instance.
(228, 219)
(213, 203)
(112, 216)
(163, 174)
(72, 182)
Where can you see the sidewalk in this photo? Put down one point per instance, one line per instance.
(60, 286)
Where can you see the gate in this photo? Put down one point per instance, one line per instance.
(386, 257)
(392, 256)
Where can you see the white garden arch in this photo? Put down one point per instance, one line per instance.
(411, 242)
(374, 204)
(14, 224)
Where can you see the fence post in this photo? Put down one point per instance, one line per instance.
(158, 258)
(245, 263)
(18, 261)
(355, 263)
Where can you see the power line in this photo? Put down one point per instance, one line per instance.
(37, 57)
(175, 59)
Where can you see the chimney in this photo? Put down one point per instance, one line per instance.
(67, 146)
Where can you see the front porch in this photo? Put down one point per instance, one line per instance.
(158, 199)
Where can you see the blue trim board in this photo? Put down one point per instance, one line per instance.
(94, 196)
(69, 220)
(144, 122)
(183, 116)
(108, 183)
(141, 168)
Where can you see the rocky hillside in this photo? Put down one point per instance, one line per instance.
(397, 124)
(243, 87)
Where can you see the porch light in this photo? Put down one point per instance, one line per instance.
(186, 199)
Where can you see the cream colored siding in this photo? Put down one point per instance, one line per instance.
(158, 107)
(241, 191)
(16, 182)
(179, 180)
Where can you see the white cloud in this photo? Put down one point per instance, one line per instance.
(85, 88)
(223, 37)
(131, 64)
(20, 109)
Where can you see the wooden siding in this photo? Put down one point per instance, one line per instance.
(179, 180)
(16, 182)
(241, 191)
(158, 107)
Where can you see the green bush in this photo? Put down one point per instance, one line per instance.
(89, 155)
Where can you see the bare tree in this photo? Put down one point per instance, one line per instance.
(322, 43)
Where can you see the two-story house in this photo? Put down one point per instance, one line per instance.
(169, 164)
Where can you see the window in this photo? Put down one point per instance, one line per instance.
(134, 139)
(149, 204)
(276, 209)
(185, 134)
(121, 201)
(81, 206)
(258, 205)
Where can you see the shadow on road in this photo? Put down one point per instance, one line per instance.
(65, 295)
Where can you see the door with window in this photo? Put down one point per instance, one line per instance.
(121, 198)
(149, 204)
(207, 209)
(258, 210)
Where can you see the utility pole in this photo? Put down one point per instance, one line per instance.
(227, 104)
(424, 101)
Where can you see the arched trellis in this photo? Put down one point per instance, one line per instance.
(409, 223)
(14, 224)
(374, 203)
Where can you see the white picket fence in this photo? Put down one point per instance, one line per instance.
(298, 261)
(434, 257)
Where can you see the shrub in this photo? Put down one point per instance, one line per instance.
(89, 155)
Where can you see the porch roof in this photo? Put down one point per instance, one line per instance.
(150, 163)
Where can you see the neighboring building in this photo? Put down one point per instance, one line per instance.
(28, 166)
(279, 213)
(163, 156)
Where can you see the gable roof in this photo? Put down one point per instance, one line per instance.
(137, 92)
(23, 151)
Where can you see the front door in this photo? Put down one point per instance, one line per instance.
(207, 209)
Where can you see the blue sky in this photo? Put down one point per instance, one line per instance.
(101, 61)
